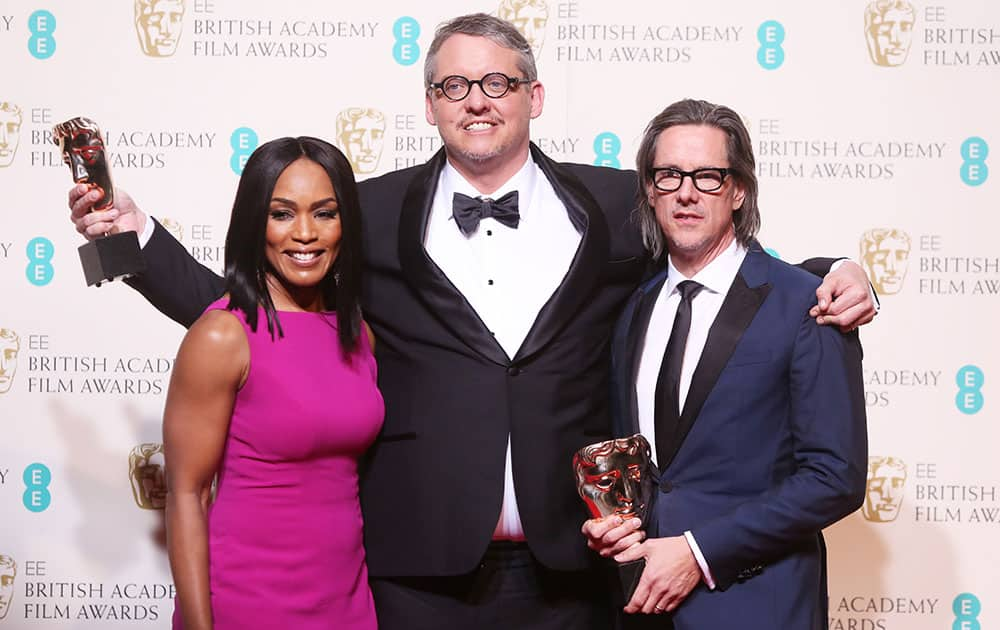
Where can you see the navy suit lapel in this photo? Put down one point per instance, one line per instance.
(585, 270)
(744, 299)
(430, 284)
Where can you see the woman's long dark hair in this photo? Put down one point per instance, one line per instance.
(246, 264)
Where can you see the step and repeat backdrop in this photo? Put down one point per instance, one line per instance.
(873, 124)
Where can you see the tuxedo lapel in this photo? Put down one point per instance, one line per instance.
(634, 340)
(430, 284)
(585, 270)
(744, 299)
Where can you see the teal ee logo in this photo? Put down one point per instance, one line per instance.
(406, 51)
(974, 170)
(243, 141)
(970, 383)
(966, 608)
(771, 35)
(607, 146)
(37, 478)
(40, 270)
(41, 25)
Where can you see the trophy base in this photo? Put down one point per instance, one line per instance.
(628, 575)
(111, 258)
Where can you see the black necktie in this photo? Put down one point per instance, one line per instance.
(468, 211)
(666, 412)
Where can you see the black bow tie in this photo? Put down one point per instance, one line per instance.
(468, 211)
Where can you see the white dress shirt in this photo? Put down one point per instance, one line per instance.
(507, 275)
(715, 279)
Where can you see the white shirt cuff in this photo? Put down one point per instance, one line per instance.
(147, 231)
(871, 290)
(700, 559)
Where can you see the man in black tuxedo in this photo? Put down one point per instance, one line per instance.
(493, 319)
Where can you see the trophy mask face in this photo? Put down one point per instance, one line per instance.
(361, 136)
(146, 475)
(889, 31)
(159, 24)
(8, 571)
(528, 16)
(613, 477)
(9, 347)
(885, 487)
(10, 133)
(886, 260)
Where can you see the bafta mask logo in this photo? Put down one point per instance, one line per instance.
(146, 474)
(615, 477)
(174, 227)
(10, 345)
(158, 24)
(10, 132)
(530, 17)
(889, 31)
(884, 489)
(360, 134)
(885, 256)
(8, 571)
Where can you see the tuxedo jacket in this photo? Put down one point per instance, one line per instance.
(432, 484)
(770, 447)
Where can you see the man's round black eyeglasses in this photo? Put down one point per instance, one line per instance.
(494, 85)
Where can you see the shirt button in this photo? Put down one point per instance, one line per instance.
(489, 282)
(489, 232)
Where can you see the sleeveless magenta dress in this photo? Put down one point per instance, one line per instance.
(285, 543)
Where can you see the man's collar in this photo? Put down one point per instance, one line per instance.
(716, 276)
(523, 181)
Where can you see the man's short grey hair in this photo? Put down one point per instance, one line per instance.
(499, 31)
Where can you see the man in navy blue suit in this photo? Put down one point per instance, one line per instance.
(756, 412)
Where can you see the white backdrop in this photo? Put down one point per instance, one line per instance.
(872, 128)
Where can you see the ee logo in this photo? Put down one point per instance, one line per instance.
(40, 270)
(970, 384)
(607, 146)
(37, 478)
(243, 141)
(41, 25)
(406, 51)
(966, 608)
(974, 170)
(771, 35)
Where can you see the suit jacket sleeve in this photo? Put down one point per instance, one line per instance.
(830, 449)
(174, 282)
(817, 266)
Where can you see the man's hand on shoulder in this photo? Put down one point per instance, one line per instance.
(122, 216)
(845, 298)
(671, 573)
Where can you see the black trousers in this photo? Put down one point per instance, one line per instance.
(510, 591)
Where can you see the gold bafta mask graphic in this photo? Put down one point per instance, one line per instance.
(174, 227)
(146, 474)
(158, 24)
(10, 132)
(10, 345)
(530, 17)
(884, 489)
(360, 134)
(885, 256)
(889, 31)
(8, 571)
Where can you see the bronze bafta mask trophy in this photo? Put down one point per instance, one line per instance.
(614, 478)
(112, 256)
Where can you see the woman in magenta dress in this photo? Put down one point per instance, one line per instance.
(274, 395)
